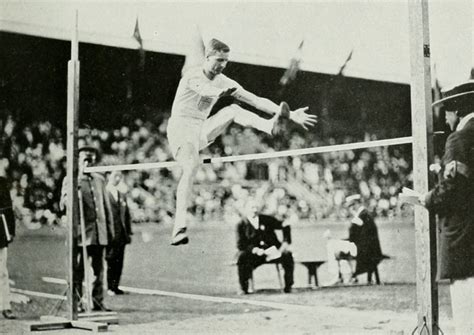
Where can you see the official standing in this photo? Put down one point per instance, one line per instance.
(98, 222)
(122, 233)
(453, 201)
(7, 232)
(364, 234)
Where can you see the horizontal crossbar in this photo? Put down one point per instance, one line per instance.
(250, 157)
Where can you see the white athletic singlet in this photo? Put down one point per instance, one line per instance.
(196, 94)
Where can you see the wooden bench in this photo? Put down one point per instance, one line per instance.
(369, 274)
(252, 281)
(312, 267)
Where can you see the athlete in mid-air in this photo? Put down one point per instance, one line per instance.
(190, 129)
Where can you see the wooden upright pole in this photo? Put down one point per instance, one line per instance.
(422, 130)
(72, 166)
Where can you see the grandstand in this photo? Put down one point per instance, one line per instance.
(314, 185)
(129, 108)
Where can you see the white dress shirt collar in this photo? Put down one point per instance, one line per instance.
(464, 121)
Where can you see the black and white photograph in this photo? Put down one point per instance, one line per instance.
(237, 167)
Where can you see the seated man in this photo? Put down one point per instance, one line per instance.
(258, 243)
(363, 244)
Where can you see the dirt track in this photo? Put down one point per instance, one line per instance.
(294, 320)
(201, 269)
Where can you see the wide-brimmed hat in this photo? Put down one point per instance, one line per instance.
(455, 96)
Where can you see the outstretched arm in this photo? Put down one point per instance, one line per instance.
(298, 116)
(262, 104)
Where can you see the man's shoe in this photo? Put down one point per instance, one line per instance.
(119, 292)
(8, 314)
(287, 289)
(180, 237)
(354, 281)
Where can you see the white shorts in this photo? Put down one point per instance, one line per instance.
(182, 130)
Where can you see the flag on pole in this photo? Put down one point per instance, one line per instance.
(196, 53)
(343, 67)
(137, 36)
(294, 67)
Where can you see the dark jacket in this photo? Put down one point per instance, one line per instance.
(98, 216)
(366, 238)
(264, 237)
(122, 219)
(7, 227)
(453, 201)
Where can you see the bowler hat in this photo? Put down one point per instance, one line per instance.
(460, 95)
(89, 148)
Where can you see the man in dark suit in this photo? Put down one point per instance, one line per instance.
(122, 233)
(363, 245)
(255, 237)
(98, 221)
(7, 232)
(364, 234)
(452, 199)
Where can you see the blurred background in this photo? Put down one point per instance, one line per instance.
(349, 63)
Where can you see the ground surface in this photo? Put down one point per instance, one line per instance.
(192, 289)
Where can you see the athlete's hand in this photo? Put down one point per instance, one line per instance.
(228, 92)
(302, 118)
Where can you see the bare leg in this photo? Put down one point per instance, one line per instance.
(218, 123)
(188, 159)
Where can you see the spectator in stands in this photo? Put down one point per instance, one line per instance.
(363, 245)
(7, 232)
(452, 199)
(36, 152)
(258, 243)
(98, 221)
(122, 232)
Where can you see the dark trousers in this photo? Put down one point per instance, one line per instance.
(115, 255)
(247, 262)
(96, 255)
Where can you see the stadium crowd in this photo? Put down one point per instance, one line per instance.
(311, 186)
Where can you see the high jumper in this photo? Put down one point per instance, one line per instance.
(190, 130)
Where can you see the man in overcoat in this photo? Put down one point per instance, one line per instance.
(7, 232)
(122, 232)
(364, 234)
(453, 201)
(98, 221)
(363, 245)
